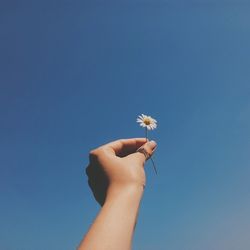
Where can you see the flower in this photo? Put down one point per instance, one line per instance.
(147, 122)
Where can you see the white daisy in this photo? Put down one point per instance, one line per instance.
(147, 122)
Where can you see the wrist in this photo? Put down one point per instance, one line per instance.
(128, 192)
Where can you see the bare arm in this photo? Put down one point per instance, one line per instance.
(117, 179)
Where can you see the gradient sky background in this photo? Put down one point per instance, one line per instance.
(75, 74)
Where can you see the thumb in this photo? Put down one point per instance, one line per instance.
(145, 151)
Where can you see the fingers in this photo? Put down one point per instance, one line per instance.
(125, 146)
(146, 151)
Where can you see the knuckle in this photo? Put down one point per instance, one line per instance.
(120, 142)
(93, 154)
(96, 154)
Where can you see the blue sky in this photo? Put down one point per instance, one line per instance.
(75, 74)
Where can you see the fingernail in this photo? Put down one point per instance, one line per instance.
(152, 144)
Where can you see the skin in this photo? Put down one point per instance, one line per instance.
(117, 179)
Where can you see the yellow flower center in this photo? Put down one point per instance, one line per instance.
(147, 121)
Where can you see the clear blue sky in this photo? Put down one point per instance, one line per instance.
(75, 74)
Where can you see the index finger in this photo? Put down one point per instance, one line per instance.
(125, 146)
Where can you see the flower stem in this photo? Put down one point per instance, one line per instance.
(153, 165)
(146, 135)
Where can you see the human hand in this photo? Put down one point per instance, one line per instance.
(118, 165)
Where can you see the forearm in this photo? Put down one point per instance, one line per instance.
(113, 228)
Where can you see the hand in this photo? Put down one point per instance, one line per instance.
(118, 165)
